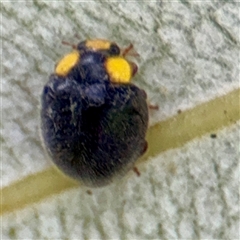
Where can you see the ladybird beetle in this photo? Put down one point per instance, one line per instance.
(93, 119)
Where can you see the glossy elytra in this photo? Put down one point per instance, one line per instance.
(93, 119)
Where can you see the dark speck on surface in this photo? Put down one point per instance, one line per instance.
(213, 135)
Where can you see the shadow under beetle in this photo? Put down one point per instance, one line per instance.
(93, 120)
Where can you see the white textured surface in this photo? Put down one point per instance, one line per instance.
(186, 193)
(189, 54)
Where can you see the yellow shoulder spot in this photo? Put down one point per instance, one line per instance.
(98, 44)
(119, 69)
(65, 65)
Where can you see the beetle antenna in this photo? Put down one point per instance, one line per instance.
(69, 44)
(130, 51)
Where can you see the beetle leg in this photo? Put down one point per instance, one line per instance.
(135, 169)
(153, 107)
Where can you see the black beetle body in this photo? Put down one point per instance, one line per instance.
(93, 129)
